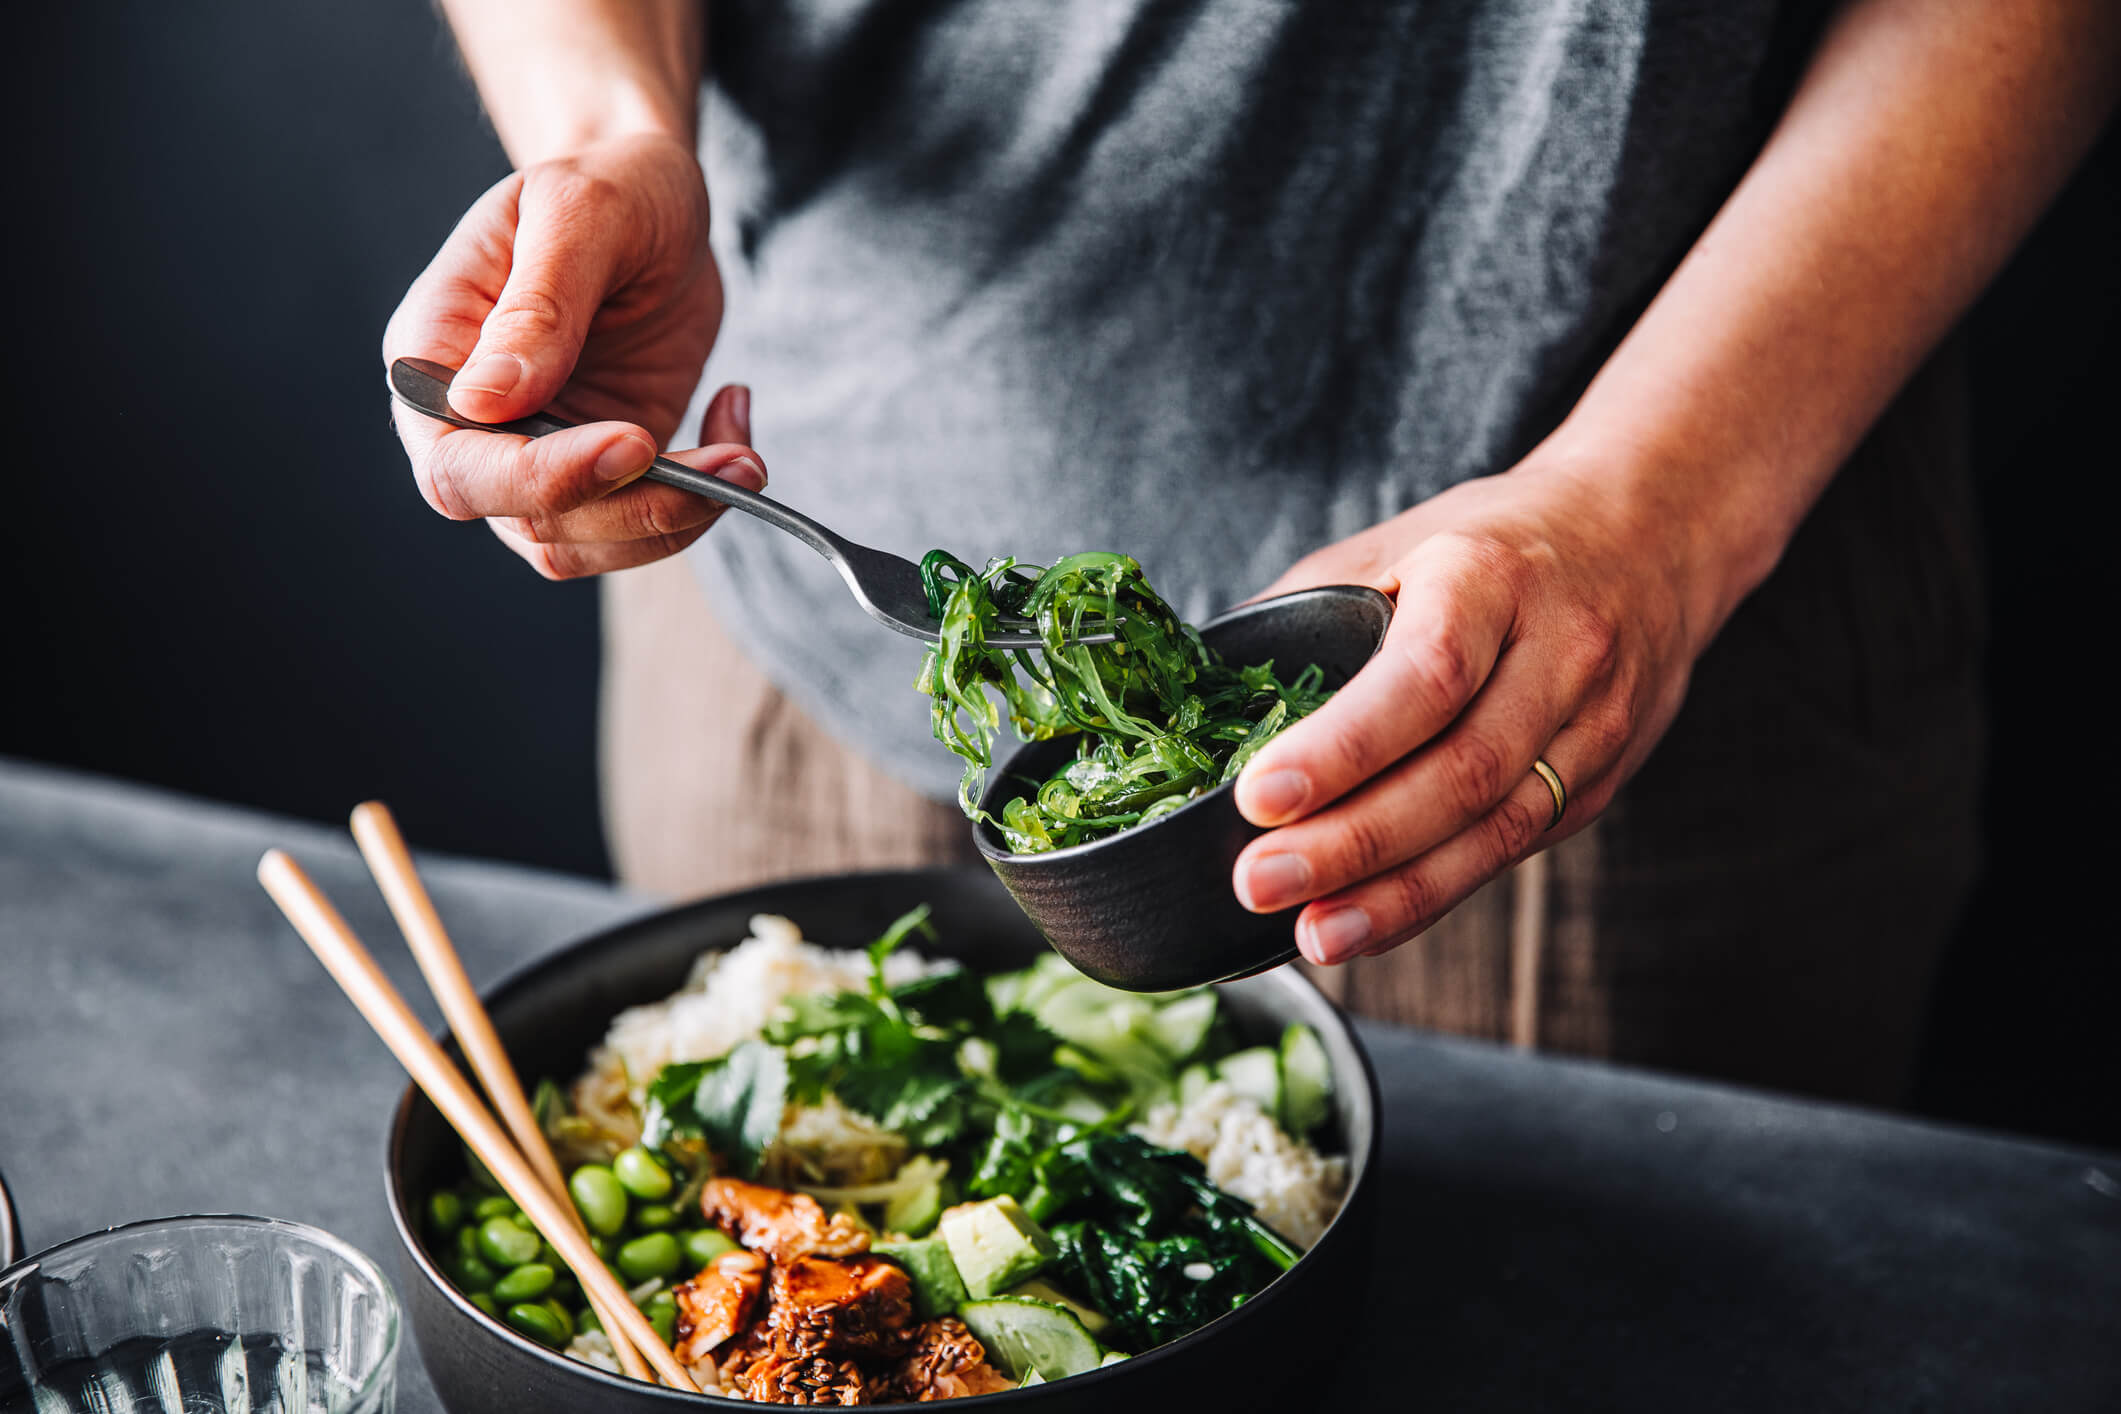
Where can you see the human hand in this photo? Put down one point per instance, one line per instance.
(585, 285)
(1541, 614)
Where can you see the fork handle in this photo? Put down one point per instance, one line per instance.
(423, 385)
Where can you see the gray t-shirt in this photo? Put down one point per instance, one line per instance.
(1211, 282)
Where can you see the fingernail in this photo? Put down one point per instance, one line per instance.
(496, 374)
(744, 472)
(1276, 880)
(624, 459)
(1279, 794)
(740, 409)
(1337, 936)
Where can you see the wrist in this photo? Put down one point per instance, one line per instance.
(1711, 528)
(600, 111)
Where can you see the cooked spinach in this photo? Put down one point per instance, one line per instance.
(1153, 1244)
(1161, 717)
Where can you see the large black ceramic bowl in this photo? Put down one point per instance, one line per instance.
(1151, 908)
(11, 1249)
(551, 1014)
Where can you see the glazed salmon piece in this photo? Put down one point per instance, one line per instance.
(946, 1362)
(859, 1306)
(718, 1303)
(781, 1224)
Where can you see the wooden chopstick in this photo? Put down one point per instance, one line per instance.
(384, 1009)
(390, 861)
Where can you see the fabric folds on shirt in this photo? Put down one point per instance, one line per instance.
(1210, 282)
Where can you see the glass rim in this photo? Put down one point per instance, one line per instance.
(339, 1247)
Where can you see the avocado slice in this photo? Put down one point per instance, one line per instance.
(937, 1288)
(995, 1244)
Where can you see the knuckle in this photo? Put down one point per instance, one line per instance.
(439, 487)
(1512, 826)
(1367, 845)
(1414, 901)
(555, 562)
(1473, 773)
(1443, 669)
(528, 310)
(1593, 640)
(657, 518)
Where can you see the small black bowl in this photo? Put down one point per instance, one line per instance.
(550, 1014)
(1151, 908)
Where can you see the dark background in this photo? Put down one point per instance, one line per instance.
(220, 578)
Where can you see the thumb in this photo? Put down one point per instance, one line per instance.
(529, 342)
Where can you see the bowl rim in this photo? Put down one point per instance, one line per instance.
(404, 1222)
(986, 837)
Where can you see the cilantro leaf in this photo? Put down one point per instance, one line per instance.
(905, 923)
(740, 1100)
(668, 1113)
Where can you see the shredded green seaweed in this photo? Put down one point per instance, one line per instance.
(1160, 715)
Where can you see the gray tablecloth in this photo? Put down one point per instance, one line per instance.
(1554, 1234)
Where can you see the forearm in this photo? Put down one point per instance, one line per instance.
(557, 75)
(1924, 140)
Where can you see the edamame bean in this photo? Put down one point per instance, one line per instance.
(601, 1245)
(472, 1274)
(703, 1245)
(662, 1313)
(561, 1314)
(642, 1175)
(540, 1324)
(655, 1216)
(445, 1212)
(499, 1205)
(586, 1321)
(506, 1243)
(600, 1197)
(487, 1304)
(549, 1255)
(526, 1283)
(655, 1255)
(468, 1240)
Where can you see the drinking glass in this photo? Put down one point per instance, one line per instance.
(198, 1315)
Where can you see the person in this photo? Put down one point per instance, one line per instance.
(1613, 340)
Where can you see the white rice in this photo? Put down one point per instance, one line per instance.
(731, 993)
(1295, 1190)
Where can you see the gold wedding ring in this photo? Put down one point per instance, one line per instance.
(1555, 788)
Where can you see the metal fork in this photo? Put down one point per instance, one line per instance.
(888, 587)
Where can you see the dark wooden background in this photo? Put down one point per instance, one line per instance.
(220, 579)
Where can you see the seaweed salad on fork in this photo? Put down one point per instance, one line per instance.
(1159, 715)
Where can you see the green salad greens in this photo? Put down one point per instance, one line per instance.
(1019, 1087)
(1159, 715)
(1009, 1189)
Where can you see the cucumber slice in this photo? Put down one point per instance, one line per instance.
(1112, 1357)
(1110, 1025)
(1306, 1080)
(1003, 989)
(1256, 1073)
(1034, 1378)
(914, 1211)
(1042, 979)
(1180, 1028)
(1022, 1335)
(1039, 1289)
(1192, 1080)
